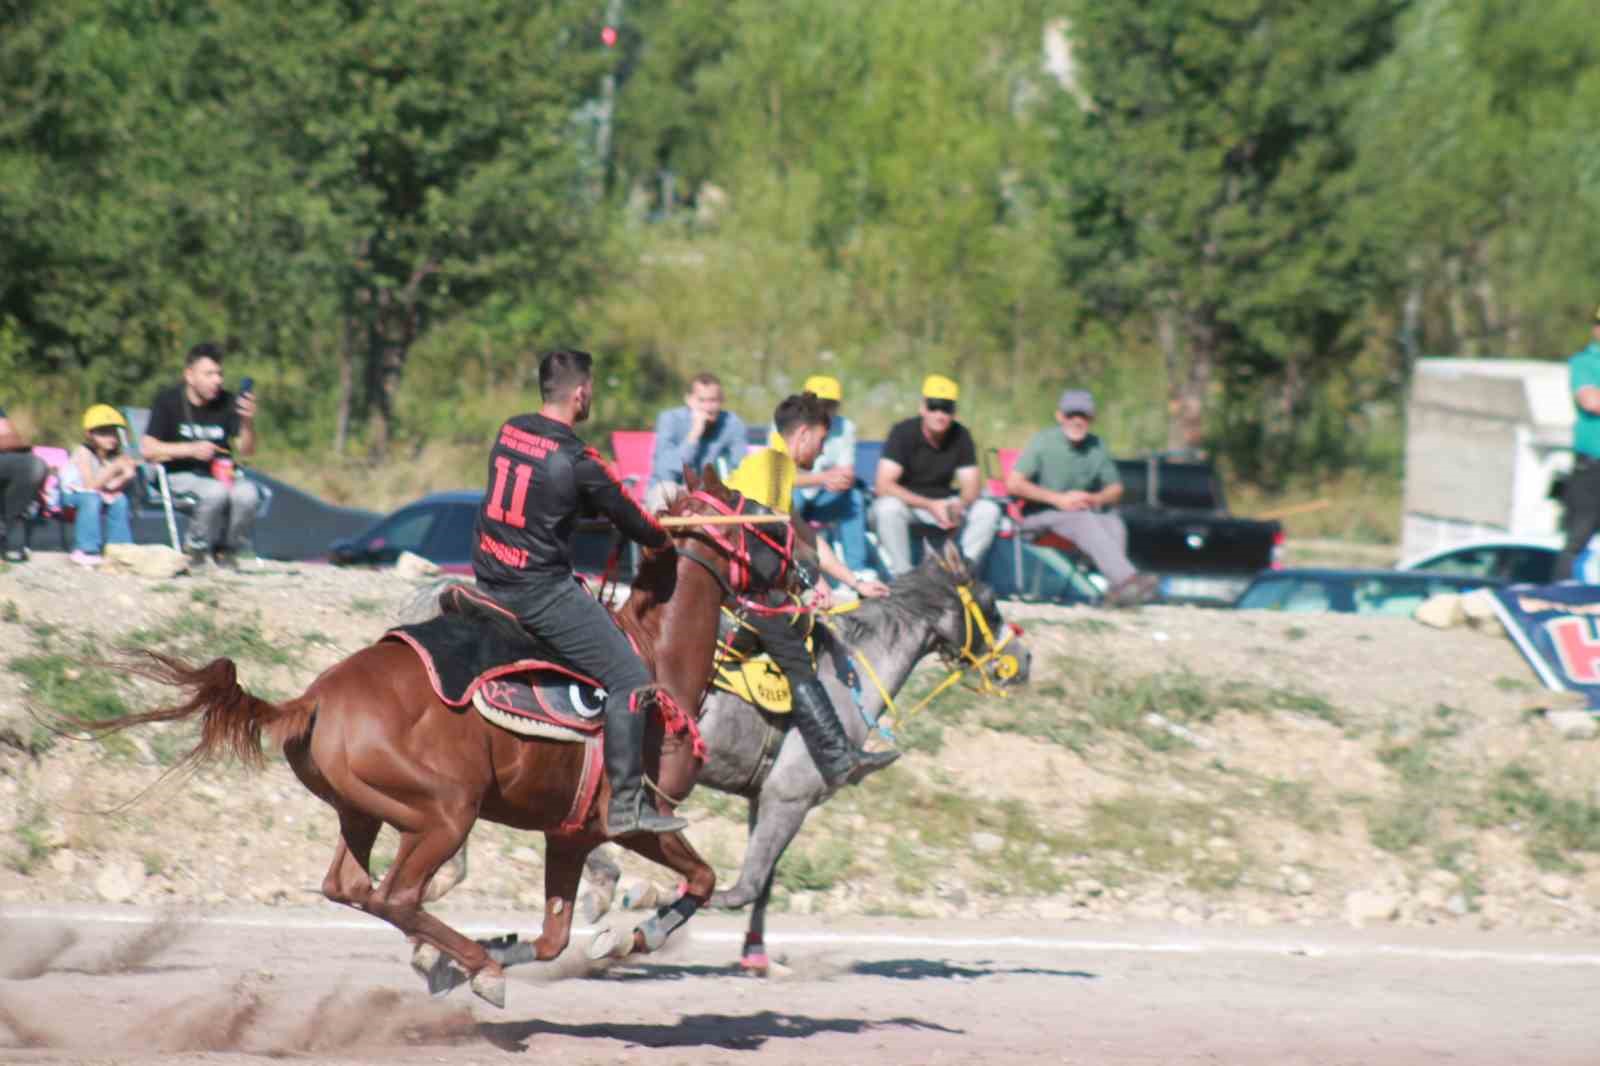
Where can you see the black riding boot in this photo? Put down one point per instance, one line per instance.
(624, 753)
(840, 761)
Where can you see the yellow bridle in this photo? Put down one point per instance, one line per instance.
(966, 661)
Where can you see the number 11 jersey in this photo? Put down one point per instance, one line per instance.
(542, 478)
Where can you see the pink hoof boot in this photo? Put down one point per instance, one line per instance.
(754, 959)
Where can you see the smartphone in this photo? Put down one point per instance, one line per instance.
(245, 385)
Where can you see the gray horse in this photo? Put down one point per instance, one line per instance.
(750, 756)
(936, 607)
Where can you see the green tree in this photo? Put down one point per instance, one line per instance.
(1207, 188)
(1477, 128)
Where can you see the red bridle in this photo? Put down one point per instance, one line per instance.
(739, 565)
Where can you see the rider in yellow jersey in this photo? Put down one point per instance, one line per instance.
(767, 477)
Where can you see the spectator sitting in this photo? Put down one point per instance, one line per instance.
(196, 428)
(829, 492)
(694, 435)
(21, 474)
(920, 459)
(1064, 478)
(95, 481)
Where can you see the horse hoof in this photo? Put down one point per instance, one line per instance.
(491, 988)
(593, 905)
(514, 953)
(424, 959)
(444, 977)
(605, 942)
(729, 900)
(756, 965)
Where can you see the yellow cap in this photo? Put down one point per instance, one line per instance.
(825, 387)
(103, 414)
(939, 387)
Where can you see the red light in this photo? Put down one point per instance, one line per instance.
(608, 36)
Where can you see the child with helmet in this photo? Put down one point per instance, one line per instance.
(95, 481)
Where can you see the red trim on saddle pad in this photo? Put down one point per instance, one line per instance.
(588, 787)
(517, 667)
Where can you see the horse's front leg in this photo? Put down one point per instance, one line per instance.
(787, 795)
(753, 957)
(563, 868)
(677, 773)
(673, 851)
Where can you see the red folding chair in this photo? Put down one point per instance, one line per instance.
(633, 451)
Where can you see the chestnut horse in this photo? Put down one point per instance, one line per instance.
(372, 740)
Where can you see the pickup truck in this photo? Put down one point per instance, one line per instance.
(1179, 527)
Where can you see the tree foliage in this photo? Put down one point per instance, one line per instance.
(1240, 219)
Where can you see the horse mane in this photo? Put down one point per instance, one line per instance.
(915, 598)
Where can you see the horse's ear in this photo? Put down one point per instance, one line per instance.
(951, 559)
(711, 477)
(691, 480)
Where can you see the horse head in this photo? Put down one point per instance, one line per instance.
(970, 630)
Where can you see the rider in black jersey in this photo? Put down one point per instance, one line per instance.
(541, 478)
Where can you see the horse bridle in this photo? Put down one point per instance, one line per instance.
(740, 565)
(962, 661)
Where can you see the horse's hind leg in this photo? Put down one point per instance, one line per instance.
(398, 901)
(673, 851)
(349, 879)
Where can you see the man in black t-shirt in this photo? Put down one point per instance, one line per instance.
(921, 458)
(541, 478)
(197, 430)
(21, 474)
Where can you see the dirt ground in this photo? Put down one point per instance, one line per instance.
(1197, 836)
(103, 985)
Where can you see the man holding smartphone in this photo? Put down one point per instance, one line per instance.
(197, 430)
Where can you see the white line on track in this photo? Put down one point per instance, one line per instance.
(1075, 945)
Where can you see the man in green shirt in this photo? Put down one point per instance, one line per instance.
(1581, 497)
(1064, 477)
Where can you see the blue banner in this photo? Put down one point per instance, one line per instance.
(1557, 628)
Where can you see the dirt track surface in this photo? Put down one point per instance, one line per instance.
(123, 985)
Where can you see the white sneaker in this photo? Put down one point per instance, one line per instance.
(83, 558)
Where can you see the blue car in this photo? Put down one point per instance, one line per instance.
(1320, 590)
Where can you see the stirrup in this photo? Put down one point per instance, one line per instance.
(642, 819)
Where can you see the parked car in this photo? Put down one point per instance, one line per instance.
(1520, 561)
(439, 528)
(1317, 589)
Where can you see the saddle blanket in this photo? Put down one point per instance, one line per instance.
(476, 652)
(758, 680)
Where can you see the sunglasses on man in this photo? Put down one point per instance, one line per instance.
(943, 406)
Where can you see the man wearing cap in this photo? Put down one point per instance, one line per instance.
(1581, 497)
(21, 474)
(1066, 479)
(828, 492)
(767, 476)
(921, 458)
(696, 435)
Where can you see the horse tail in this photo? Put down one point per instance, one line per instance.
(231, 719)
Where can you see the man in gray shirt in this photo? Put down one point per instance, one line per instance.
(1067, 481)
